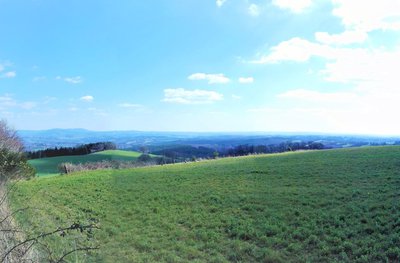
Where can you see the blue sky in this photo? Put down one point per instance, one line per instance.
(226, 65)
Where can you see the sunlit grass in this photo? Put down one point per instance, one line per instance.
(323, 206)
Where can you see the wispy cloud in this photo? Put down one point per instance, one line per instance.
(7, 101)
(254, 10)
(211, 78)
(236, 97)
(39, 78)
(87, 98)
(71, 80)
(8, 75)
(28, 105)
(246, 80)
(48, 99)
(130, 105)
(220, 3)
(73, 109)
(182, 96)
(295, 6)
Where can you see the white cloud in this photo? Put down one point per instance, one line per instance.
(220, 3)
(343, 64)
(370, 104)
(368, 15)
(365, 66)
(246, 80)
(211, 78)
(236, 97)
(73, 80)
(87, 98)
(254, 10)
(354, 111)
(182, 96)
(295, 6)
(345, 38)
(295, 49)
(319, 97)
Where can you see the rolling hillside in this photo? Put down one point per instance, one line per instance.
(49, 166)
(322, 206)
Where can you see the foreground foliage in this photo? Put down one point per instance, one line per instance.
(336, 205)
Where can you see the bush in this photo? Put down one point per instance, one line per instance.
(66, 168)
(144, 158)
(13, 163)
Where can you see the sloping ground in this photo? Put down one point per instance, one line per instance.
(323, 206)
(10, 236)
(49, 166)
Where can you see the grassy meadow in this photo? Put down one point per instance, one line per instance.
(321, 206)
(49, 166)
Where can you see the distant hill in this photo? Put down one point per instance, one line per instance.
(133, 140)
(316, 206)
(49, 166)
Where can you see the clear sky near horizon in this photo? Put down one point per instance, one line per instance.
(226, 65)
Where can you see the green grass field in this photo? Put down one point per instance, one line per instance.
(320, 206)
(49, 166)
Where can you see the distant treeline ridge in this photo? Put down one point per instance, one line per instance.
(66, 151)
(241, 150)
(191, 153)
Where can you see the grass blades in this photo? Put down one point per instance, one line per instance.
(322, 206)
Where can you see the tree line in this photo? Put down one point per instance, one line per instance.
(246, 149)
(66, 151)
(184, 153)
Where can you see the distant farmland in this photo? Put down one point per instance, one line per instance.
(49, 166)
(324, 206)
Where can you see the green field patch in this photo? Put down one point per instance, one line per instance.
(49, 166)
(322, 206)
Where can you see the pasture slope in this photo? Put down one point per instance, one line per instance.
(49, 166)
(321, 206)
